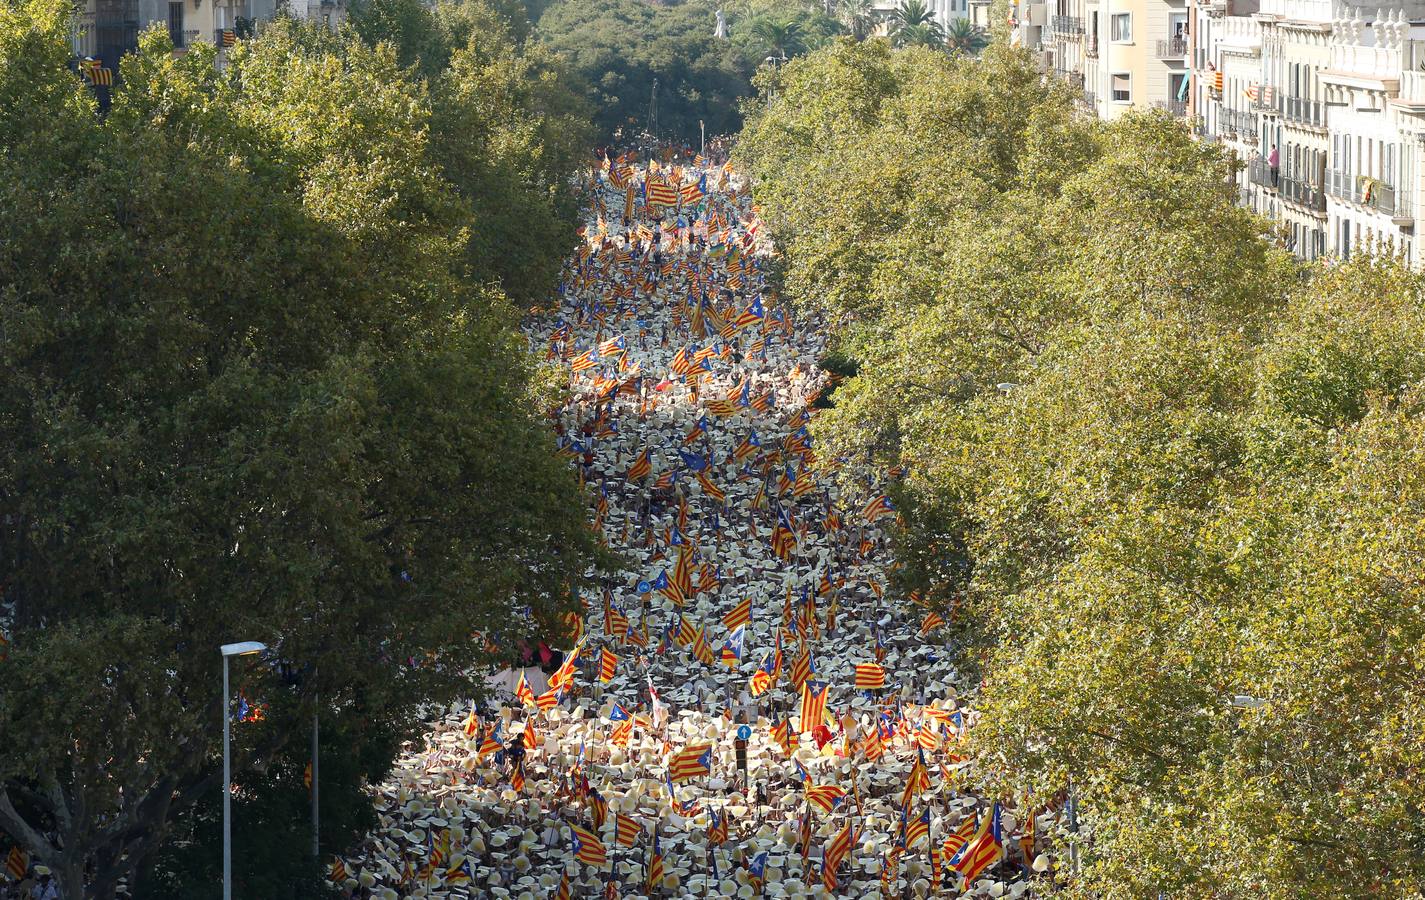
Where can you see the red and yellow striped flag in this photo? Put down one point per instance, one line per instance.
(693, 761)
(608, 663)
(741, 614)
(588, 849)
(870, 676)
(813, 706)
(626, 830)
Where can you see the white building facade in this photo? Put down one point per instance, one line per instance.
(1322, 101)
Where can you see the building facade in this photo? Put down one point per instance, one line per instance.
(1120, 54)
(1322, 101)
(104, 30)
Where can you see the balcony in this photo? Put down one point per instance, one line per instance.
(1261, 174)
(1172, 48)
(1091, 99)
(1304, 193)
(1175, 107)
(1369, 192)
(1304, 112)
(1091, 46)
(1238, 122)
(1066, 26)
(1266, 102)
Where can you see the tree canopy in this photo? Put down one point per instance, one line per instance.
(620, 48)
(259, 381)
(1165, 480)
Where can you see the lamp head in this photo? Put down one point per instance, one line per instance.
(243, 648)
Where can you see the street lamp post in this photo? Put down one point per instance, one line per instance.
(244, 648)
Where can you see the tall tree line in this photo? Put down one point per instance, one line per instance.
(1165, 480)
(259, 380)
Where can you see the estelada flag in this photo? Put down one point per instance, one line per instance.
(693, 761)
(983, 851)
(531, 740)
(565, 673)
(877, 507)
(717, 494)
(813, 705)
(522, 691)
(931, 622)
(655, 865)
(547, 700)
(626, 830)
(870, 676)
(588, 849)
(918, 828)
(785, 737)
(741, 614)
(825, 797)
(762, 678)
(641, 468)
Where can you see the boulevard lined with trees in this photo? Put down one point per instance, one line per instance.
(260, 376)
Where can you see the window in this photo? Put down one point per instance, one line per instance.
(175, 24)
(1122, 87)
(1120, 28)
(1177, 87)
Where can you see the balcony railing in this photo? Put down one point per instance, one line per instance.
(1066, 26)
(1303, 193)
(1172, 48)
(1367, 191)
(1176, 107)
(1261, 174)
(1091, 46)
(1303, 111)
(1237, 122)
(1091, 99)
(1266, 102)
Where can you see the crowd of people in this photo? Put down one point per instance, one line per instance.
(751, 711)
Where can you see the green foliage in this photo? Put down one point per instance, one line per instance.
(1153, 464)
(620, 47)
(508, 128)
(913, 24)
(962, 37)
(781, 33)
(272, 820)
(255, 384)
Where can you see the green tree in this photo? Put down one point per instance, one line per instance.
(622, 47)
(962, 37)
(858, 17)
(1163, 478)
(778, 38)
(913, 24)
(509, 128)
(251, 390)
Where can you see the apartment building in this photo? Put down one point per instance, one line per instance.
(1335, 159)
(104, 30)
(1322, 101)
(1120, 53)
